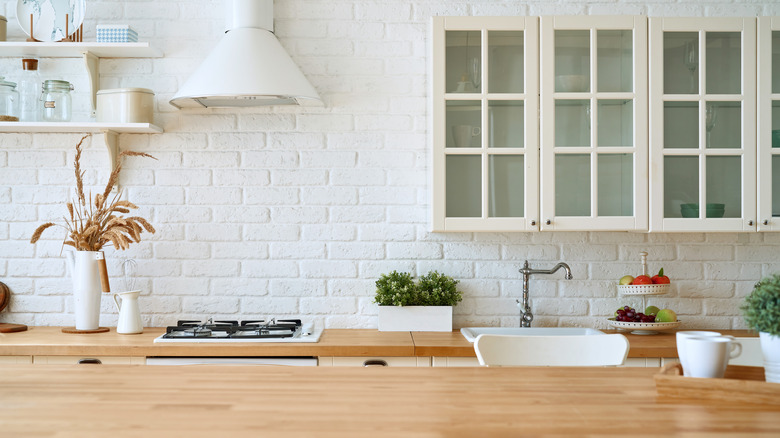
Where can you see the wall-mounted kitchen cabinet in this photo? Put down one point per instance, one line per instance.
(486, 117)
(485, 124)
(703, 124)
(768, 124)
(593, 123)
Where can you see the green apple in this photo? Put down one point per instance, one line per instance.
(626, 279)
(652, 310)
(666, 315)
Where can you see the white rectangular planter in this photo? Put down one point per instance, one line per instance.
(415, 318)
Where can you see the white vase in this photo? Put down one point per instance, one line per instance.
(415, 318)
(86, 288)
(770, 347)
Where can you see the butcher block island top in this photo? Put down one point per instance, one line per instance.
(333, 342)
(244, 401)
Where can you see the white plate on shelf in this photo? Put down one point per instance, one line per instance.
(643, 328)
(643, 289)
(49, 17)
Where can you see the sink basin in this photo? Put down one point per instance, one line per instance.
(471, 333)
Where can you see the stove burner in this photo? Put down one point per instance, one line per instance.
(283, 328)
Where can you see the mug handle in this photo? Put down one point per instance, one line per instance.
(736, 349)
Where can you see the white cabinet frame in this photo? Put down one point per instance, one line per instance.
(529, 26)
(766, 25)
(550, 221)
(747, 27)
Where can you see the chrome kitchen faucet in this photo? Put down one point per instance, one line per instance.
(525, 307)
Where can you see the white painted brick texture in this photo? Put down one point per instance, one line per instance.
(286, 211)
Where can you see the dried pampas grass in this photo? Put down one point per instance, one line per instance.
(95, 222)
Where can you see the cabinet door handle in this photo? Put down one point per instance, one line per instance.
(90, 360)
(766, 222)
(548, 222)
(750, 223)
(533, 223)
(375, 363)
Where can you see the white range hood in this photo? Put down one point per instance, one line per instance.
(248, 67)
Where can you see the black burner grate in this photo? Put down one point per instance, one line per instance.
(253, 329)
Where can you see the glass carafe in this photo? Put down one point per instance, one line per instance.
(29, 91)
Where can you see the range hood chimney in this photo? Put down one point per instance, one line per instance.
(248, 67)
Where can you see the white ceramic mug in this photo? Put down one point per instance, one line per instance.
(463, 135)
(681, 352)
(708, 356)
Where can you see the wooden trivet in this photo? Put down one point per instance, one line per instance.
(75, 331)
(11, 328)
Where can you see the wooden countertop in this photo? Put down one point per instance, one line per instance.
(334, 342)
(454, 344)
(207, 401)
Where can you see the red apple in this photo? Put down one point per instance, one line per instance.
(642, 279)
(660, 278)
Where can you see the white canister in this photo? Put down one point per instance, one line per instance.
(3, 27)
(125, 105)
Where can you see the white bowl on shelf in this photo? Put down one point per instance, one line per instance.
(643, 328)
(643, 289)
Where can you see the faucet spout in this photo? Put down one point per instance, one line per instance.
(525, 305)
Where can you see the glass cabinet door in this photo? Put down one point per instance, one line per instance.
(702, 124)
(485, 132)
(768, 124)
(594, 130)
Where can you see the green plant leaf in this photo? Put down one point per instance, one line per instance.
(762, 307)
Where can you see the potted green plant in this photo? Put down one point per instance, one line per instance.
(762, 313)
(425, 305)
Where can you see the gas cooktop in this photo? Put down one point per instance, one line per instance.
(272, 330)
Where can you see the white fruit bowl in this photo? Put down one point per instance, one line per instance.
(643, 328)
(643, 289)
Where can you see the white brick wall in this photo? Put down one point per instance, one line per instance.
(288, 211)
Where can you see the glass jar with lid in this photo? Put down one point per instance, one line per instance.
(56, 101)
(9, 101)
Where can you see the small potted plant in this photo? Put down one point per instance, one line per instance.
(422, 306)
(762, 313)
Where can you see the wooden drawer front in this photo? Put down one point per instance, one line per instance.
(375, 361)
(455, 362)
(15, 359)
(106, 360)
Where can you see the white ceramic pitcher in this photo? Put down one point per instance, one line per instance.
(129, 314)
(86, 287)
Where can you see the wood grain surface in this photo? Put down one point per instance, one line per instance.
(334, 342)
(239, 401)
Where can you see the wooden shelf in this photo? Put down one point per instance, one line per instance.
(122, 128)
(76, 50)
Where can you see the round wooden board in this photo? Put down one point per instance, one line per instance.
(5, 293)
(75, 331)
(11, 328)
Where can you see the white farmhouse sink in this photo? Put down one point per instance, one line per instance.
(471, 333)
